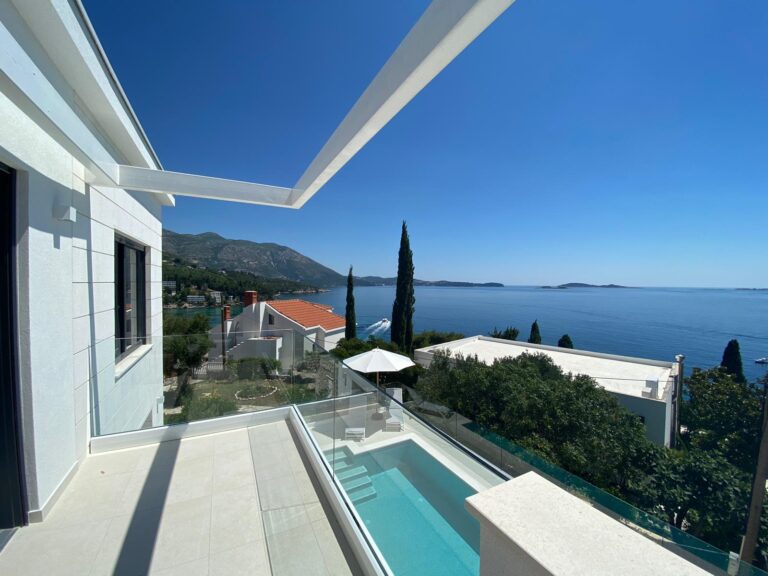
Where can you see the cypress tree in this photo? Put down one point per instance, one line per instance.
(565, 341)
(535, 337)
(350, 331)
(401, 332)
(732, 361)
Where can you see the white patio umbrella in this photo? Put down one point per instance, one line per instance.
(378, 360)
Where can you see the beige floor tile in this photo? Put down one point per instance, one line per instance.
(117, 462)
(295, 552)
(279, 492)
(315, 511)
(191, 479)
(232, 470)
(196, 447)
(306, 489)
(334, 559)
(89, 500)
(194, 568)
(284, 519)
(184, 533)
(234, 441)
(128, 545)
(63, 552)
(251, 559)
(267, 433)
(235, 519)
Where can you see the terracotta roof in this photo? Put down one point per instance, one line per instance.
(308, 314)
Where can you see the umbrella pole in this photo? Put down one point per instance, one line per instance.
(377, 379)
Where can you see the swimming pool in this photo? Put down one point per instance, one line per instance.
(413, 507)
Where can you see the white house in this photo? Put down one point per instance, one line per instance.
(645, 387)
(272, 329)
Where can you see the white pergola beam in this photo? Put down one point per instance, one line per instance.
(440, 35)
(163, 181)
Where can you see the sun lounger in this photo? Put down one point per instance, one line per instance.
(395, 422)
(354, 419)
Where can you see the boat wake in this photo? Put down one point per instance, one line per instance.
(378, 327)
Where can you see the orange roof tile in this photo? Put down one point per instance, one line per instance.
(308, 314)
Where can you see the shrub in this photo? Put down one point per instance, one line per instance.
(205, 407)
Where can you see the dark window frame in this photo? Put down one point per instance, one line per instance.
(124, 346)
(270, 320)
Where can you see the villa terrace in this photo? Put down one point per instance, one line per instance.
(349, 481)
(128, 452)
(237, 502)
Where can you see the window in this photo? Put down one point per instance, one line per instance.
(130, 301)
(271, 320)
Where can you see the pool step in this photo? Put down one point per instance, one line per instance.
(340, 465)
(352, 472)
(336, 455)
(355, 483)
(362, 495)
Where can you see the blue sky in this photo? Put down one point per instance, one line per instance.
(593, 141)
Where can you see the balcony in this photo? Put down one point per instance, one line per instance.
(284, 461)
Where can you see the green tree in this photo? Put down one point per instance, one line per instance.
(705, 494)
(567, 419)
(185, 342)
(509, 333)
(724, 415)
(350, 330)
(432, 337)
(565, 341)
(352, 347)
(732, 361)
(401, 331)
(535, 337)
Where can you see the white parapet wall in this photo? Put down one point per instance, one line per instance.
(530, 527)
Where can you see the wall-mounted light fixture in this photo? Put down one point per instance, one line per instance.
(64, 212)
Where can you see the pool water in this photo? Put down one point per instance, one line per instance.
(413, 507)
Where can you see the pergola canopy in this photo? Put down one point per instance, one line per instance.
(440, 34)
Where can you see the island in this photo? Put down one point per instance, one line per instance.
(582, 285)
(380, 281)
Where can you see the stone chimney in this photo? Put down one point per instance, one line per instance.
(250, 297)
(227, 313)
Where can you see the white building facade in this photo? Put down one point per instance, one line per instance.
(85, 274)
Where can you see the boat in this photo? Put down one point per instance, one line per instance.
(762, 360)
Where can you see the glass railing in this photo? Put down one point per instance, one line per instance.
(404, 482)
(172, 379)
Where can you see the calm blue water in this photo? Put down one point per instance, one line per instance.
(645, 322)
(417, 517)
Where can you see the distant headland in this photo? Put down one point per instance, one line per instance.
(582, 285)
(380, 281)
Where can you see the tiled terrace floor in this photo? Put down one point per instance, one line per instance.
(241, 502)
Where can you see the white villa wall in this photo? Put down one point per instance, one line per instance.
(66, 294)
(656, 413)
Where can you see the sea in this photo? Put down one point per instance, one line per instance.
(655, 323)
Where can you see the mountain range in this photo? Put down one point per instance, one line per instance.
(269, 260)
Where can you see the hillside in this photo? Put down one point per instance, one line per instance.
(230, 283)
(266, 260)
